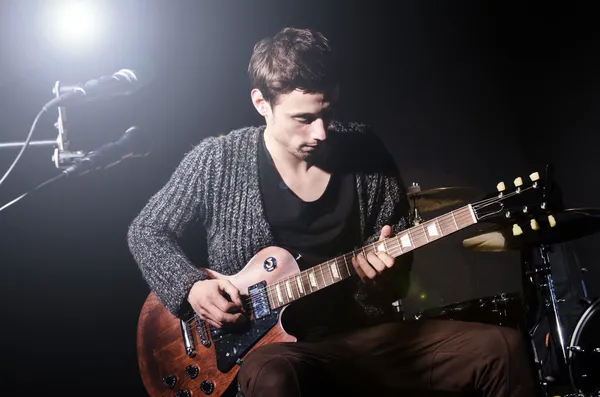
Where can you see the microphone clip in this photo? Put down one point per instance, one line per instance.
(62, 156)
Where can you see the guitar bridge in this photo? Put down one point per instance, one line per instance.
(202, 332)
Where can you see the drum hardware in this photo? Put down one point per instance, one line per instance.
(578, 349)
(578, 356)
(414, 213)
(438, 198)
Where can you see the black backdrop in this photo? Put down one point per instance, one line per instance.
(463, 94)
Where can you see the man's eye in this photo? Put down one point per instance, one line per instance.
(305, 120)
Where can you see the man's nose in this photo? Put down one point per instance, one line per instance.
(318, 130)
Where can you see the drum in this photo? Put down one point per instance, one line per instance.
(584, 352)
(506, 309)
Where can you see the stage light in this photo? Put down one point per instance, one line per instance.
(74, 22)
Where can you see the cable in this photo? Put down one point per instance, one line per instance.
(16, 160)
(62, 174)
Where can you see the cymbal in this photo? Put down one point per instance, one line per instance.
(434, 199)
(571, 224)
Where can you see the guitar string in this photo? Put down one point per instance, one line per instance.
(416, 234)
(457, 216)
(391, 244)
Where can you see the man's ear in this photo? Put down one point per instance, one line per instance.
(259, 102)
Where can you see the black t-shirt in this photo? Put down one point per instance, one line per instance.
(318, 231)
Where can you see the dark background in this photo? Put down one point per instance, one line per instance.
(462, 93)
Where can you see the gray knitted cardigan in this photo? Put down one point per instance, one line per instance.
(217, 184)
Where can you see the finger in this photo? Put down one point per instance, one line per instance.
(220, 316)
(198, 309)
(387, 260)
(358, 269)
(232, 291)
(369, 272)
(211, 322)
(386, 232)
(204, 316)
(208, 317)
(375, 262)
(224, 305)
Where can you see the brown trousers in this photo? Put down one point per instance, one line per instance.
(423, 358)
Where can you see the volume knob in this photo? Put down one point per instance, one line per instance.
(183, 393)
(207, 387)
(191, 371)
(170, 381)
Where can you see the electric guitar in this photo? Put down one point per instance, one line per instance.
(189, 357)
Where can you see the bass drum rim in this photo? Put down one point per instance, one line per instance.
(574, 340)
(503, 300)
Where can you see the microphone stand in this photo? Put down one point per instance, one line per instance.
(62, 157)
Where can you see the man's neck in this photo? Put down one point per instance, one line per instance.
(283, 159)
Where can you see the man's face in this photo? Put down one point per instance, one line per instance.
(298, 121)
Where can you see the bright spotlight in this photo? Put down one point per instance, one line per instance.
(74, 22)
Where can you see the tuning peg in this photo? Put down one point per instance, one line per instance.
(534, 177)
(518, 182)
(501, 187)
(534, 224)
(551, 220)
(517, 231)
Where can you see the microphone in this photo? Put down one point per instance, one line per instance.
(134, 143)
(123, 82)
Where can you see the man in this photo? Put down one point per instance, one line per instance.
(318, 188)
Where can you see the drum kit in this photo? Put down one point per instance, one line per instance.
(576, 351)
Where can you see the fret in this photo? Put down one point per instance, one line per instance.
(454, 218)
(448, 224)
(421, 237)
(363, 251)
(320, 277)
(410, 237)
(279, 294)
(439, 227)
(396, 249)
(293, 287)
(423, 233)
(288, 289)
(334, 271)
(271, 298)
(327, 274)
(305, 282)
(346, 263)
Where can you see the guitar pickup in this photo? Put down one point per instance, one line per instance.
(259, 301)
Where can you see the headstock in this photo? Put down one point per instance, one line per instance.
(530, 205)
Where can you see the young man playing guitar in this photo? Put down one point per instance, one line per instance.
(317, 188)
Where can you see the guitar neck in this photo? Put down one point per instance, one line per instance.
(337, 269)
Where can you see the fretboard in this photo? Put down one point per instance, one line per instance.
(337, 269)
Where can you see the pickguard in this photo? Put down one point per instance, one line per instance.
(230, 346)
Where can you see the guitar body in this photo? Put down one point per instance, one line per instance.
(168, 365)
